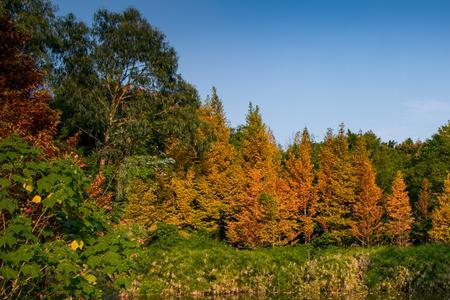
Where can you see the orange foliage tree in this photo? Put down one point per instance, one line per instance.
(219, 182)
(367, 210)
(399, 214)
(201, 197)
(184, 209)
(440, 230)
(24, 106)
(336, 183)
(261, 212)
(299, 176)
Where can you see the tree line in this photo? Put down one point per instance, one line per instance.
(107, 95)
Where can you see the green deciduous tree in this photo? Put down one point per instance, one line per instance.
(117, 83)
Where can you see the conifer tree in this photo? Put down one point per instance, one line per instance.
(423, 203)
(246, 222)
(398, 226)
(261, 212)
(440, 230)
(218, 182)
(143, 207)
(201, 196)
(300, 177)
(327, 159)
(258, 146)
(423, 220)
(183, 208)
(336, 183)
(367, 210)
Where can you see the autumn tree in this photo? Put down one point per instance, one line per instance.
(440, 217)
(218, 181)
(144, 186)
(367, 210)
(201, 196)
(336, 182)
(184, 209)
(260, 213)
(300, 176)
(24, 108)
(142, 206)
(398, 209)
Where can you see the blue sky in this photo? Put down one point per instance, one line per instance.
(379, 65)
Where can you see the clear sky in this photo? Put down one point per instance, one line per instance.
(372, 64)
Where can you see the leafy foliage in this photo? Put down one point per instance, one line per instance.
(52, 236)
(116, 83)
(24, 103)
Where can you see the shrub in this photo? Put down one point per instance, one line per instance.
(54, 238)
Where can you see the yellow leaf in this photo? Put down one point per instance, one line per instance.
(49, 195)
(90, 278)
(74, 245)
(36, 199)
(28, 187)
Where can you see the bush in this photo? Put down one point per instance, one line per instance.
(415, 271)
(54, 241)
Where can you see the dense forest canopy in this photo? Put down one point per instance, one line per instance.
(100, 134)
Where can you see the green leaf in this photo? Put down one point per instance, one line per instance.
(123, 281)
(94, 261)
(8, 273)
(5, 183)
(18, 178)
(31, 270)
(23, 254)
(8, 204)
(49, 202)
(112, 258)
(7, 239)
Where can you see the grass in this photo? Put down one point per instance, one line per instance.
(199, 266)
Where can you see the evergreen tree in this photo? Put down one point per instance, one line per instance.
(422, 212)
(431, 161)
